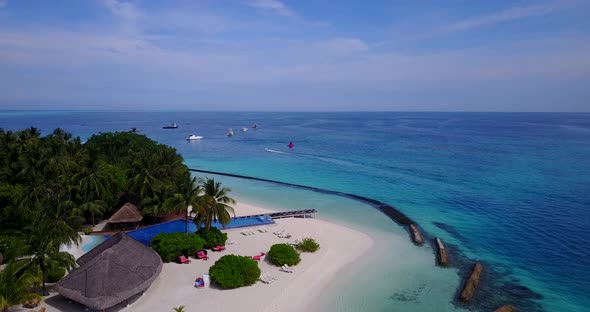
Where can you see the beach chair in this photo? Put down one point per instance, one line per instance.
(202, 254)
(244, 233)
(183, 259)
(262, 230)
(279, 232)
(267, 278)
(285, 235)
(218, 248)
(286, 268)
(258, 257)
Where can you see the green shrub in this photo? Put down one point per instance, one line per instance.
(308, 244)
(232, 271)
(171, 245)
(54, 275)
(280, 254)
(213, 237)
(87, 230)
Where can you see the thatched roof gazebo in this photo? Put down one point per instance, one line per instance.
(111, 273)
(127, 216)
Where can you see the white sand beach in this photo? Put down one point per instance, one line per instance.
(340, 247)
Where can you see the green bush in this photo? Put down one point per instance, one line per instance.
(213, 237)
(54, 275)
(308, 244)
(87, 230)
(171, 245)
(232, 271)
(280, 254)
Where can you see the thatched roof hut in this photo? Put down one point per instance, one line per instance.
(112, 272)
(127, 216)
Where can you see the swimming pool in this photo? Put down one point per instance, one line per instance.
(95, 240)
(146, 234)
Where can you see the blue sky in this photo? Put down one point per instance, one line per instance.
(295, 55)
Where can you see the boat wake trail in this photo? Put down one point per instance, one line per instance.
(274, 151)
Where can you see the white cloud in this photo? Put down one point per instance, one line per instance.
(512, 14)
(125, 10)
(272, 5)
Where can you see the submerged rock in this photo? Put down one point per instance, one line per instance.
(471, 283)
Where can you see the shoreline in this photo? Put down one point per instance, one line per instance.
(341, 247)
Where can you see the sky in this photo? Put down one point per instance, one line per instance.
(295, 55)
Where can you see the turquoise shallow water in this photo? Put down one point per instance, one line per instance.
(500, 188)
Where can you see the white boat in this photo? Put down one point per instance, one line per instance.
(230, 132)
(244, 129)
(194, 137)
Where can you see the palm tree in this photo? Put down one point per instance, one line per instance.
(95, 208)
(186, 194)
(214, 204)
(14, 287)
(41, 242)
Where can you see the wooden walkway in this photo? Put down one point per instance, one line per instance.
(306, 213)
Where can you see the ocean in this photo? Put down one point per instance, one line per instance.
(511, 190)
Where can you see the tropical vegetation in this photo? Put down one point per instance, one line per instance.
(214, 205)
(232, 271)
(307, 244)
(50, 186)
(213, 237)
(281, 254)
(171, 245)
(14, 287)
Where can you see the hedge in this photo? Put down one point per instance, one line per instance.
(232, 271)
(171, 245)
(213, 237)
(281, 254)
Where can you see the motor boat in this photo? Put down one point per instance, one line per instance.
(193, 137)
(230, 132)
(244, 129)
(255, 126)
(172, 126)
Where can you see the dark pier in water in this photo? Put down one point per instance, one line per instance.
(388, 210)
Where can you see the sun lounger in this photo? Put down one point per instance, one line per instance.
(267, 278)
(262, 230)
(218, 248)
(285, 235)
(201, 254)
(184, 259)
(286, 268)
(279, 232)
(258, 257)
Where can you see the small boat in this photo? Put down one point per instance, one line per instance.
(230, 132)
(193, 137)
(172, 126)
(244, 129)
(290, 145)
(134, 130)
(254, 126)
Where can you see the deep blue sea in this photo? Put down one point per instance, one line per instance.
(509, 189)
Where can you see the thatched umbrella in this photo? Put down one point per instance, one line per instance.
(112, 272)
(126, 215)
